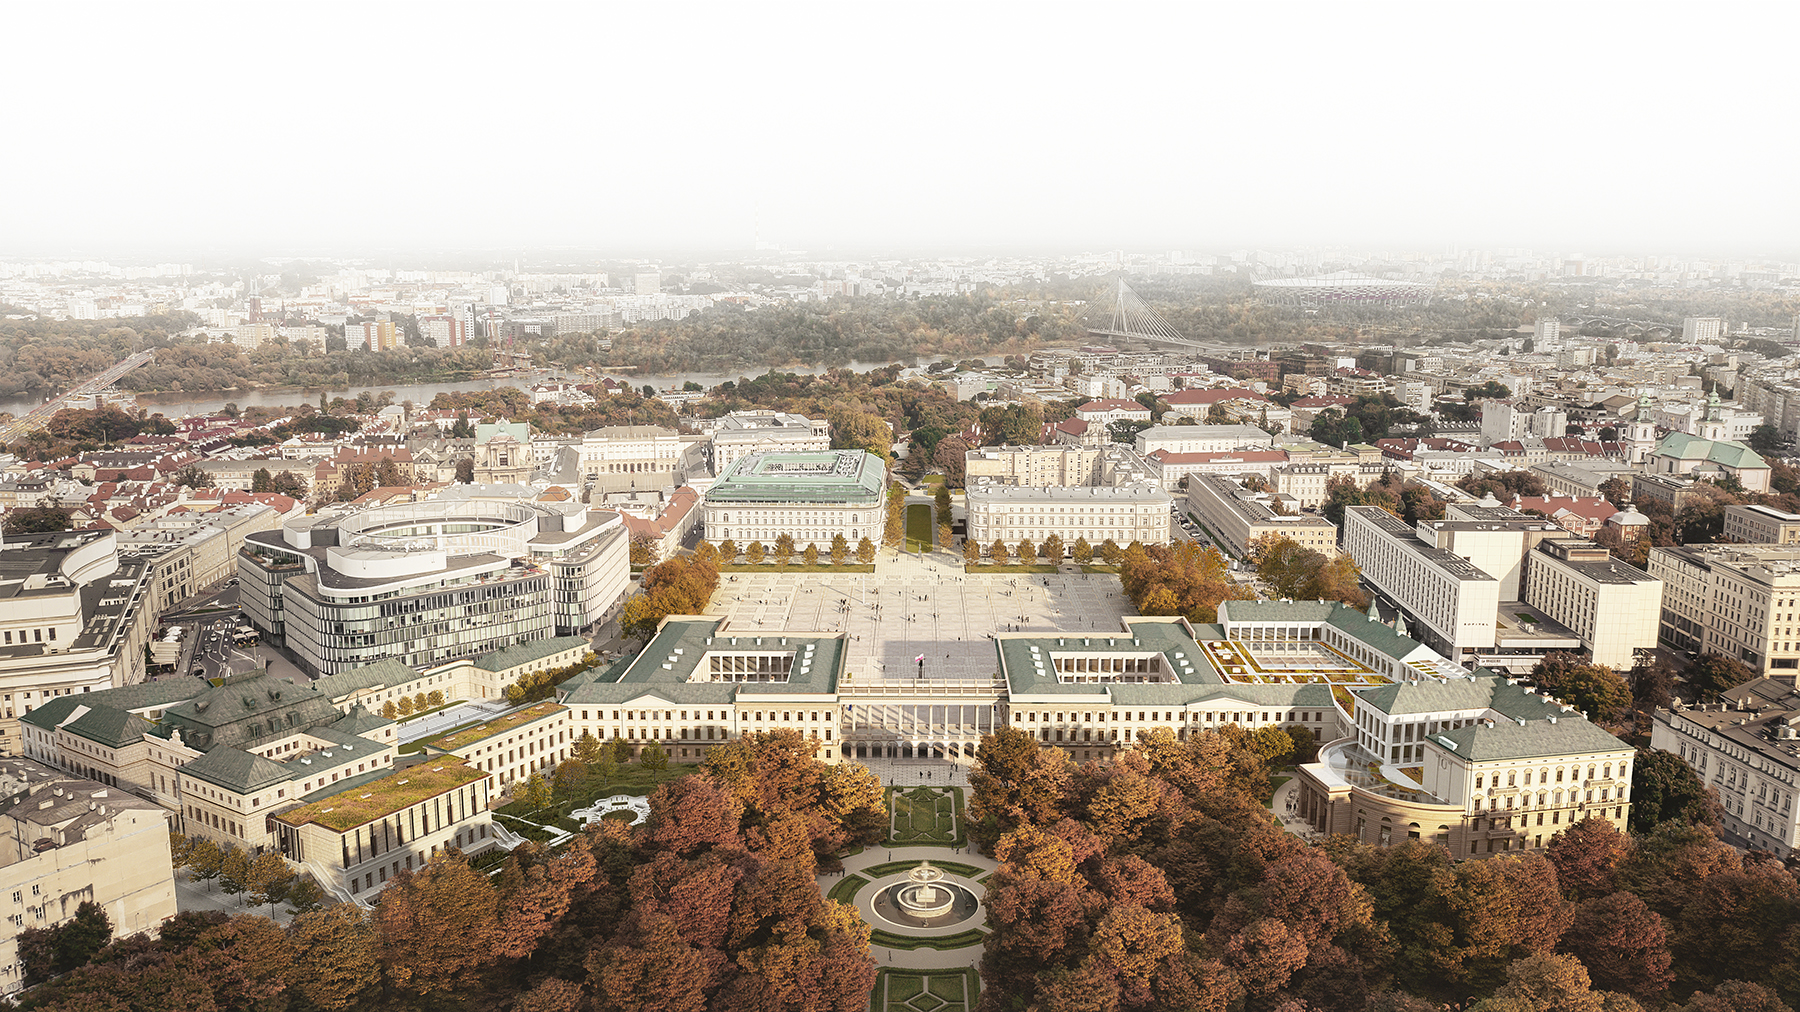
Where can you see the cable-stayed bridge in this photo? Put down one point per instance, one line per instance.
(1132, 320)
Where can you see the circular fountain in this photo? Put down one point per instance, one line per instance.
(925, 900)
(922, 896)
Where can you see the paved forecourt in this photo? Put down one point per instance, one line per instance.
(911, 606)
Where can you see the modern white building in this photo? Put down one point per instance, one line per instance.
(1012, 514)
(1612, 606)
(430, 581)
(811, 496)
(1450, 601)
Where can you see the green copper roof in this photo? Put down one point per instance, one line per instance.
(525, 653)
(835, 476)
(675, 654)
(1726, 452)
(1508, 740)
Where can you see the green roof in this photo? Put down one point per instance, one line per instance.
(1373, 633)
(401, 789)
(89, 717)
(1484, 690)
(1726, 452)
(1509, 740)
(525, 653)
(1025, 661)
(834, 476)
(499, 725)
(674, 654)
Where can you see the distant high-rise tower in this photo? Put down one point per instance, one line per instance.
(649, 282)
(1547, 332)
(1702, 329)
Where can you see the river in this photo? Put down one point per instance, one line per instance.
(175, 405)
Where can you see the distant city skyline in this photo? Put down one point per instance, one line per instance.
(636, 132)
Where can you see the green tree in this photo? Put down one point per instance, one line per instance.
(1765, 438)
(941, 499)
(1664, 788)
(234, 871)
(1711, 674)
(269, 880)
(203, 860)
(1110, 552)
(34, 520)
(654, 757)
(1594, 689)
(536, 792)
(465, 470)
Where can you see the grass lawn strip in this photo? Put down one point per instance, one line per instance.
(1012, 568)
(960, 940)
(798, 567)
(896, 867)
(453, 740)
(845, 890)
(948, 988)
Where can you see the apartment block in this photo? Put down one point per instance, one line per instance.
(1761, 525)
(1742, 601)
(1746, 748)
(1238, 516)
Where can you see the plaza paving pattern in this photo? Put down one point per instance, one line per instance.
(916, 605)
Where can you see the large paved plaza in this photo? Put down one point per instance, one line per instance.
(911, 606)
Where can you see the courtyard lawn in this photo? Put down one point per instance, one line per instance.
(631, 778)
(923, 815)
(925, 990)
(919, 535)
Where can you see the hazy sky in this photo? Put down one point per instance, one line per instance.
(631, 128)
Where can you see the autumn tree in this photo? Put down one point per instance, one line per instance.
(1053, 550)
(840, 549)
(1622, 943)
(755, 553)
(728, 551)
(893, 533)
(971, 552)
(865, 552)
(784, 549)
(997, 552)
(268, 880)
(1587, 857)
(1014, 782)
(438, 929)
(1081, 552)
(234, 871)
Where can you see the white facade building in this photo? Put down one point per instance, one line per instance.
(1012, 514)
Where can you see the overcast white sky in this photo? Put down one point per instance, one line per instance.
(632, 128)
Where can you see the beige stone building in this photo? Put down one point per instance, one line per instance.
(1742, 601)
(65, 840)
(1761, 525)
(1612, 606)
(1237, 517)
